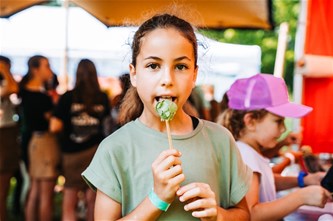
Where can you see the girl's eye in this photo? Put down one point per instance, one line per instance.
(280, 121)
(152, 66)
(181, 67)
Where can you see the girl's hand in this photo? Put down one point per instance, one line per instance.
(314, 178)
(168, 174)
(315, 196)
(200, 199)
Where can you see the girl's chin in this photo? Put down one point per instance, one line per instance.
(271, 145)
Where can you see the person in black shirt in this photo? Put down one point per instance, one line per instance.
(43, 153)
(79, 116)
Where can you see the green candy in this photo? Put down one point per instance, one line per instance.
(166, 109)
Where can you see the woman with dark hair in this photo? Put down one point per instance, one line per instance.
(79, 117)
(9, 148)
(42, 151)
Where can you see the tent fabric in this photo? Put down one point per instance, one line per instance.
(256, 14)
(10, 7)
(318, 126)
(215, 14)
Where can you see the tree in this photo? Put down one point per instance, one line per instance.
(283, 11)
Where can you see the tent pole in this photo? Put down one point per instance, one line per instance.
(65, 54)
(281, 50)
(299, 53)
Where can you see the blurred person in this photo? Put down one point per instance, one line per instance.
(51, 88)
(125, 84)
(9, 148)
(79, 117)
(43, 151)
(197, 99)
(256, 111)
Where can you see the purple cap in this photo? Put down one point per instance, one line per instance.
(264, 91)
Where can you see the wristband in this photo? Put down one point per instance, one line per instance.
(291, 157)
(300, 178)
(157, 202)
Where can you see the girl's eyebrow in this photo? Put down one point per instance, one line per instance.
(177, 59)
(182, 58)
(153, 57)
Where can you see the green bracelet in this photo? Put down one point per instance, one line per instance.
(157, 202)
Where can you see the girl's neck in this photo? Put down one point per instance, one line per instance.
(252, 143)
(35, 84)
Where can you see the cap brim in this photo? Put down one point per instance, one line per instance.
(290, 110)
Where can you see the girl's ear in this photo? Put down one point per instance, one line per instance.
(249, 121)
(132, 75)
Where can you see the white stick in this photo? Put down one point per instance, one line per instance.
(169, 134)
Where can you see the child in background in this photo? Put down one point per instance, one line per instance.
(257, 107)
(136, 176)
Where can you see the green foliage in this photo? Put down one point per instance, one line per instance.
(283, 11)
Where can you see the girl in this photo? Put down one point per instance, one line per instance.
(80, 114)
(43, 152)
(136, 176)
(257, 107)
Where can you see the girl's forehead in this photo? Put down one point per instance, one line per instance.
(166, 39)
(272, 115)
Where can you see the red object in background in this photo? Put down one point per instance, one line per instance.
(318, 92)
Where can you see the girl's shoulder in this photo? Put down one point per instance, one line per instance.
(216, 129)
(120, 138)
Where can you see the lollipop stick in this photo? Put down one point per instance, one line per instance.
(169, 134)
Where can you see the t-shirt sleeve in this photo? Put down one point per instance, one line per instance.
(250, 159)
(101, 175)
(241, 175)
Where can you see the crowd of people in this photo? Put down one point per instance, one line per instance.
(219, 168)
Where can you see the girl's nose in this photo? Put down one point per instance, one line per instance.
(167, 78)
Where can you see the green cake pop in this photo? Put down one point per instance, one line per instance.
(167, 110)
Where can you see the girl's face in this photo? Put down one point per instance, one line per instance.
(44, 70)
(164, 69)
(268, 130)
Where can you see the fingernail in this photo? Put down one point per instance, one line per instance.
(181, 199)
(185, 208)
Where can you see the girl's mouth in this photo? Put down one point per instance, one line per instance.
(160, 98)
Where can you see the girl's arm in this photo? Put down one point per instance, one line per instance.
(279, 208)
(56, 125)
(287, 182)
(108, 209)
(238, 212)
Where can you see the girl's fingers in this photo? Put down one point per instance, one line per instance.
(186, 188)
(171, 172)
(194, 190)
(169, 162)
(165, 154)
(210, 212)
(200, 204)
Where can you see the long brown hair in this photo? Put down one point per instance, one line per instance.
(132, 106)
(86, 90)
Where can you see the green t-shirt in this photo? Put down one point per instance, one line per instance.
(121, 167)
